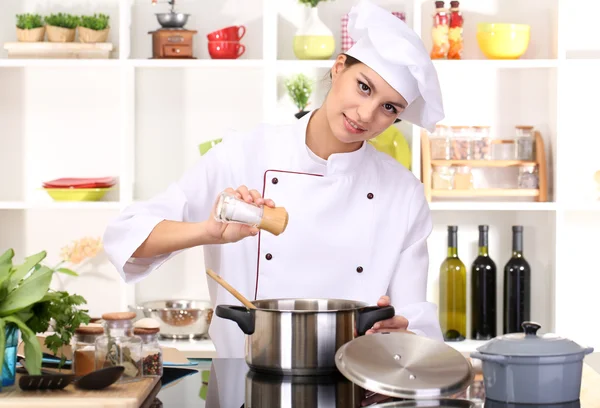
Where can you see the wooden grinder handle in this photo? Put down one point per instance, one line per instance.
(274, 220)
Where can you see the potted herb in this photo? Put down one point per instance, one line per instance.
(61, 27)
(93, 29)
(299, 88)
(29, 306)
(30, 28)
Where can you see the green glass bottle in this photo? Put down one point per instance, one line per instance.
(453, 292)
(483, 291)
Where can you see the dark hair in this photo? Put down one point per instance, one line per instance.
(348, 63)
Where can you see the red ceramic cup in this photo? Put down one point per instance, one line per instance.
(231, 33)
(225, 49)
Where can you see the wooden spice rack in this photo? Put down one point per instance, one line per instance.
(540, 194)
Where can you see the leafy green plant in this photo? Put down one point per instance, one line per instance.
(27, 301)
(29, 21)
(96, 22)
(63, 20)
(299, 88)
(311, 3)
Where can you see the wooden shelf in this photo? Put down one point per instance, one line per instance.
(481, 163)
(487, 192)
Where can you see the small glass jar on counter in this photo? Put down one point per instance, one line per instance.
(152, 356)
(83, 345)
(439, 141)
(524, 142)
(442, 177)
(460, 143)
(119, 346)
(528, 176)
(481, 143)
(463, 178)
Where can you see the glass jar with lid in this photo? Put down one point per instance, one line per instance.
(442, 177)
(147, 329)
(119, 346)
(481, 143)
(524, 142)
(83, 345)
(463, 178)
(439, 142)
(460, 143)
(528, 176)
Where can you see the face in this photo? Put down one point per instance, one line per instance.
(360, 104)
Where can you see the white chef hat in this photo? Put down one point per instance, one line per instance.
(392, 49)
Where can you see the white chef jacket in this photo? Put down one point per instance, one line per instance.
(358, 228)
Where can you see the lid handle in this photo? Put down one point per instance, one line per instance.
(530, 328)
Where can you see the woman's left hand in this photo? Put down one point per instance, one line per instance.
(395, 324)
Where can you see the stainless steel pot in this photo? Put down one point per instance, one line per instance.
(527, 368)
(172, 20)
(181, 318)
(301, 336)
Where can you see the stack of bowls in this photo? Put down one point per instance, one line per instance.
(225, 43)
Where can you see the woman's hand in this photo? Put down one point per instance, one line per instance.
(395, 324)
(224, 233)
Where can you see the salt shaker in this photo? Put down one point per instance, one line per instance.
(231, 209)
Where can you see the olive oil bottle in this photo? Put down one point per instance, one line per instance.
(453, 292)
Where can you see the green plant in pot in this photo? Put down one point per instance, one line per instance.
(61, 27)
(299, 88)
(93, 29)
(313, 39)
(28, 306)
(30, 28)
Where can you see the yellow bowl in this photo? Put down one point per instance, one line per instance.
(77, 194)
(503, 41)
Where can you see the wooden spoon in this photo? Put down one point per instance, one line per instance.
(230, 289)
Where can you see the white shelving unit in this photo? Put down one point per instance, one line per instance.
(142, 120)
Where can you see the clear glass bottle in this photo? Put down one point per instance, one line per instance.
(528, 176)
(442, 177)
(83, 344)
(524, 142)
(439, 32)
(439, 142)
(152, 356)
(463, 178)
(119, 346)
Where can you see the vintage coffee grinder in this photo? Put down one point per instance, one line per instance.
(172, 40)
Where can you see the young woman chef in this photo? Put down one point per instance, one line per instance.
(358, 220)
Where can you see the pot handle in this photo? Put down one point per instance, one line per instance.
(370, 315)
(489, 357)
(241, 315)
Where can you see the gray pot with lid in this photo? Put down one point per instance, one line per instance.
(527, 368)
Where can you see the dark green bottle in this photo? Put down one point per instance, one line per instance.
(483, 291)
(517, 286)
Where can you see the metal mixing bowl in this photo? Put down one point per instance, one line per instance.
(181, 318)
(172, 20)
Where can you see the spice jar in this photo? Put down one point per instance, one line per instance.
(83, 345)
(460, 143)
(439, 142)
(455, 33)
(528, 176)
(439, 32)
(481, 143)
(524, 142)
(442, 177)
(119, 346)
(147, 329)
(463, 178)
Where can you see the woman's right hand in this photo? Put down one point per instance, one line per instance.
(224, 233)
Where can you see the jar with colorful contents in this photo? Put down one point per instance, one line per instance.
(460, 143)
(118, 346)
(83, 345)
(463, 178)
(481, 143)
(439, 141)
(455, 32)
(439, 32)
(524, 142)
(528, 176)
(152, 356)
(442, 177)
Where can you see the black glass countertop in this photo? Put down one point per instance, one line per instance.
(229, 383)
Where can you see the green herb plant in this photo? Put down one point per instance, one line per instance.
(63, 20)
(96, 22)
(311, 3)
(299, 88)
(27, 301)
(29, 21)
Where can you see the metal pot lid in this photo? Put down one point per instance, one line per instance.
(404, 365)
(531, 344)
(441, 403)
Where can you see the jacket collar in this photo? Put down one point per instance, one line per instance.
(337, 164)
